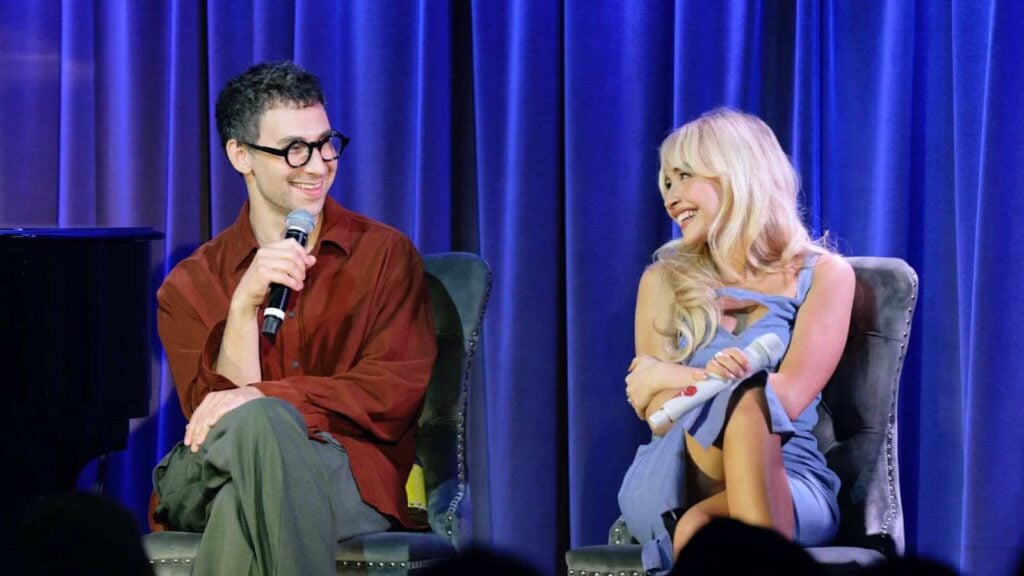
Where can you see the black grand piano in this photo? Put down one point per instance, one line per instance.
(75, 308)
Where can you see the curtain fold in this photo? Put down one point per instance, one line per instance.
(528, 132)
(76, 196)
(618, 68)
(993, 434)
(517, 70)
(30, 103)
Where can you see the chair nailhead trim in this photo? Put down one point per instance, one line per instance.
(890, 516)
(172, 561)
(389, 564)
(460, 491)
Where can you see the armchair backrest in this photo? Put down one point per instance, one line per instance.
(460, 284)
(857, 426)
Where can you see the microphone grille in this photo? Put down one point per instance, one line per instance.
(766, 350)
(300, 220)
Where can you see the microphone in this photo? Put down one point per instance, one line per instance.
(766, 350)
(298, 224)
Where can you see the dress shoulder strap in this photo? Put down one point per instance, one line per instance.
(806, 275)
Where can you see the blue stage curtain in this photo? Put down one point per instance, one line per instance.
(528, 132)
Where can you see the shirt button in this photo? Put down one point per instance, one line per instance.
(295, 363)
(291, 313)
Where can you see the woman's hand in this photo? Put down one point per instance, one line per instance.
(729, 364)
(642, 382)
(649, 376)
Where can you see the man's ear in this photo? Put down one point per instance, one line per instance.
(238, 154)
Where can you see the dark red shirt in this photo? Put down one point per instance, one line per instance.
(354, 354)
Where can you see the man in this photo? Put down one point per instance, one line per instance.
(297, 441)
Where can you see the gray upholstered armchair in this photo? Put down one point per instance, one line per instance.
(459, 287)
(856, 431)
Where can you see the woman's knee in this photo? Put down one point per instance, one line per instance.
(691, 521)
(748, 415)
(753, 403)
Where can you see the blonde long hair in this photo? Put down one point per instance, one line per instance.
(758, 217)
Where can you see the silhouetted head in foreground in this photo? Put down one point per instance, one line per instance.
(476, 561)
(727, 546)
(74, 533)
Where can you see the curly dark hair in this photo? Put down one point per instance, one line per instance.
(242, 102)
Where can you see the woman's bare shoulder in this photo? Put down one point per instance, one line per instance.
(832, 270)
(656, 279)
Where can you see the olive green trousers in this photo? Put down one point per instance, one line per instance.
(268, 499)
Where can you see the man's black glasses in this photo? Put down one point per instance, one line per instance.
(298, 153)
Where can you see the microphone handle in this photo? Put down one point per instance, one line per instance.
(273, 314)
(765, 351)
(674, 409)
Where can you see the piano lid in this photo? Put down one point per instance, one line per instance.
(80, 233)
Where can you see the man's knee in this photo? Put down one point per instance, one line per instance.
(266, 408)
(263, 416)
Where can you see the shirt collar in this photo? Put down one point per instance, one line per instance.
(335, 229)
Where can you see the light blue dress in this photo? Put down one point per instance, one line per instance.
(655, 482)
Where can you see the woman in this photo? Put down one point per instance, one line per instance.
(744, 266)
